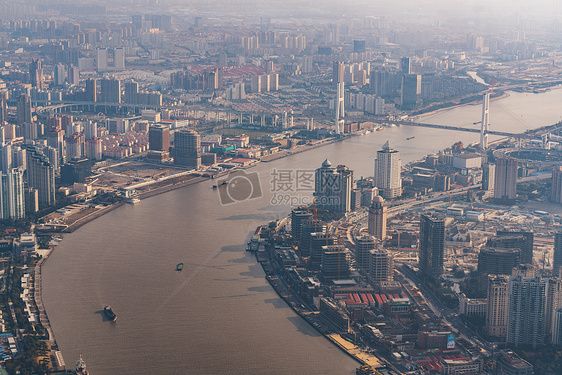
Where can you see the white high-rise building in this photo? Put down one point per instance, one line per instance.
(387, 172)
(12, 196)
(90, 129)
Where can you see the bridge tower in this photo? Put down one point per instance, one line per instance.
(340, 112)
(485, 124)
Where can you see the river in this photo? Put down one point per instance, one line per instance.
(219, 315)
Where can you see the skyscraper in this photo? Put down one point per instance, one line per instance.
(24, 109)
(488, 176)
(557, 259)
(131, 92)
(36, 74)
(526, 312)
(110, 91)
(187, 148)
(363, 246)
(411, 90)
(91, 90)
(317, 241)
(12, 197)
(159, 138)
(498, 304)
(553, 301)
(493, 261)
(333, 187)
(505, 183)
(41, 175)
(335, 262)
(381, 266)
(387, 172)
(3, 109)
(515, 240)
(432, 237)
(405, 66)
(377, 218)
(556, 189)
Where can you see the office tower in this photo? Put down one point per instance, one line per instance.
(553, 301)
(55, 139)
(36, 74)
(29, 131)
(131, 93)
(526, 313)
(297, 218)
(432, 237)
(377, 218)
(405, 66)
(91, 90)
(515, 240)
(488, 176)
(557, 327)
(24, 109)
(381, 266)
(387, 172)
(498, 304)
(307, 228)
(333, 187)
(159, 138)
(75, 146)
(110, 91)
(492, 261)
(556, 189)
(411, 90)
(54, 158)
(19, 157)
(76, 171)
(6, 157)
(187, 148)
(94, 149)
(363, 245)
(317, 241)
(73, 76)
(335, 262)
(505, 183)
(60, 75)
(3, 109)
(90, 129)
(12, 198)
(223, 59)
(338, 79)
(41, 176)
(101, 59)
(510, 363)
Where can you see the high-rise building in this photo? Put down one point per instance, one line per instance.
(187, 148)
(3, 109)
(557, 259)
(335, 262)
(405, 66)
(110, 91)
(333, 187)
(297, 218)
(432, 242)
(515, 240)
(553, 301)
(498, 304)
(131, 92)
(307, 228)
(91, 90)
(488, 177)
(60, 75)
(41, 176)
(505, 183)
(377, 218)
(159, 138)
(36, 74)
(94, 149)
(493, 261)
(363, 245)
(556, 188)
(90, 129)
(12, 197)
(557, 327)
(411, 90)
(317, 241)
(6, 157)
(526, 320)
(24, 109)
(387, 172)
(75, 146)
(381, 266)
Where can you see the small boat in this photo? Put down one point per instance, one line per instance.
(179, 267)
(224, 182)
(410, 138)
(109, 313)
(81, 367)
(215, 186)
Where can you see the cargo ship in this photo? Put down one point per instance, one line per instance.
(81, 367)
(109, 313)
